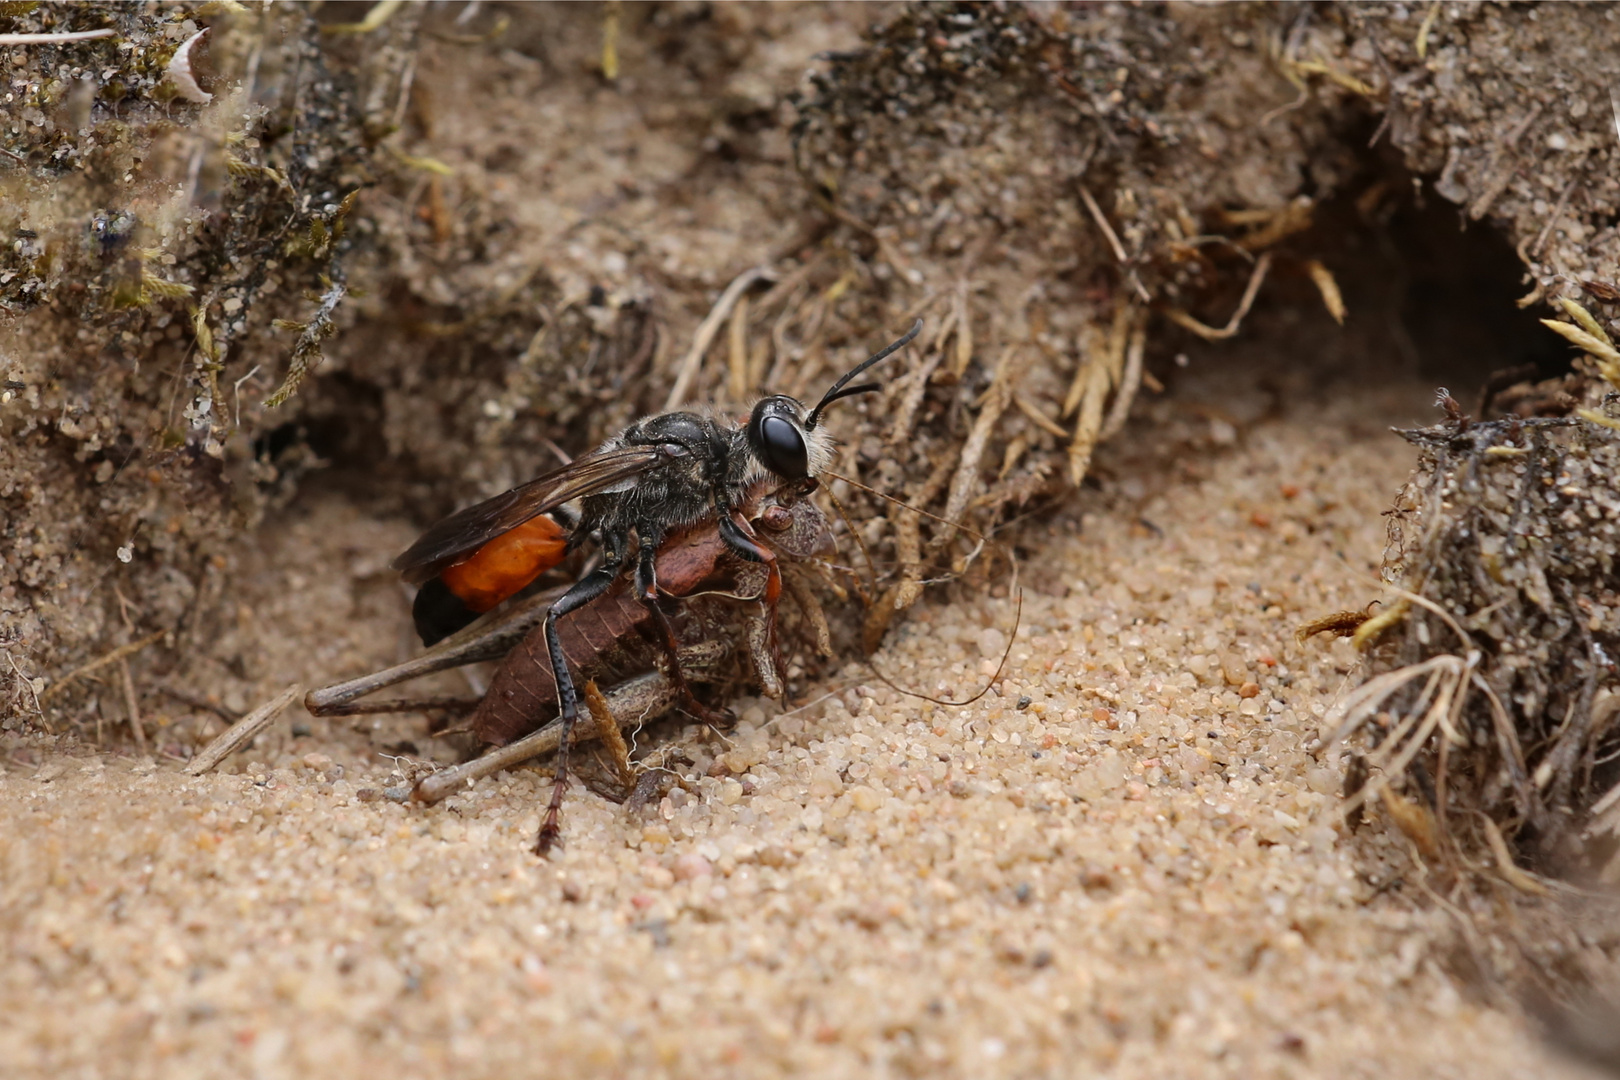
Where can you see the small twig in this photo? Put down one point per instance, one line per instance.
(502, 24)
(26, 681)
(1438, 708)
(197, 701)
(1506, 867)
(1039, 418)
(376, 15)
(55, 39)
(915, 389)
(1090, 358)
(1113, 242)
(1097, 374)
(610, 40)
(1507, 738)
(403, 705)
(1274, 226)
(1299, 101)
(737, 361)
(1558, 210)
(963, 354)
(1129, 382)
(306, 351)
(241, 732)
(238, 390)
(907, 525)
(1102, 223)
(96, 665)
(1424, 602)
(407, 79)
(966, 481)
(1422, 43)
(124, 605)
(1287, 63)
(1501, 174)
(1210, 333)
(708, 328)
(1328, 287)
(133, 705)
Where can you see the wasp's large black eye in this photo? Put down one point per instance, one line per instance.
(782, 448)
(778, 440)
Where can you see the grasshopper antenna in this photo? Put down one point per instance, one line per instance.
(1018, 615)
(1018, 618)
(979, 536)
(1018, 612)
(871, 567)
(837, 391)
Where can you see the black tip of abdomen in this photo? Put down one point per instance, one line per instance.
(438, 612)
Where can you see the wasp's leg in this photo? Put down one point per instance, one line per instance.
(740, 538)
(583, 591)
(647, 593)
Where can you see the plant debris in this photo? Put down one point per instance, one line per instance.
(1499, 677)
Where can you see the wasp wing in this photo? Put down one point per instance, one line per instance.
(469, 529)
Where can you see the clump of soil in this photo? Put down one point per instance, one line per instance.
(1503, 671)
(158, 225)
(1487, 718)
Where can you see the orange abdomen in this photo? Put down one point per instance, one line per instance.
(507, 563)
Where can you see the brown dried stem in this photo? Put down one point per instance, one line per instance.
(243, 731)
(132, 704)
(1210, 333)
(708, 328)
(97, 664)
(55, 39)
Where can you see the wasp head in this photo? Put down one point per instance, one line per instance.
(790, 443)
(783, 440)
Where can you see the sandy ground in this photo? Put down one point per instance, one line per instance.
(1137, 873)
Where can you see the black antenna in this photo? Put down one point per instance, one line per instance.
(837, 391)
